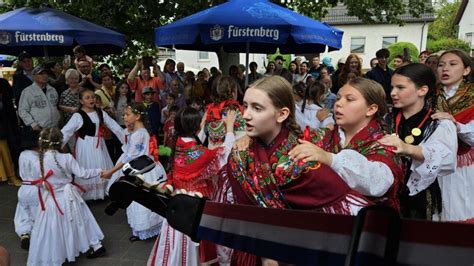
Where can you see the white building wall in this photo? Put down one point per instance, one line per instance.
(191, 60)
(374, 37)
(466, 24)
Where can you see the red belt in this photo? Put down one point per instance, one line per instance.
(44, 181)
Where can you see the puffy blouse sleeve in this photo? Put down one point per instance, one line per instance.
(73, 125)
(439, 151)
(137, 146)
(370, 178)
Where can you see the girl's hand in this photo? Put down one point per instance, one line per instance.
(308, 152)
(229, 120)
(106, 174)
(443, 115)
(203, 120)
(242, 144)
(394, 141)
(322, 114)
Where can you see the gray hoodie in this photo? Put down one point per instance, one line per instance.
(38, 108)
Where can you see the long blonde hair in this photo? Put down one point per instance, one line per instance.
(280, 92)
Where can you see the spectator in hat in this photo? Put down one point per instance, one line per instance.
(152, 110)
(327, 63)
(22, 77)
(38, 104)
(382, 73)
(281, 71)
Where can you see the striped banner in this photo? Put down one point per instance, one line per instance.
(308, 238)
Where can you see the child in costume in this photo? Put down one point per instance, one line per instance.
(265, 175)
(89, 125)
(28, 202)
(226, 100)
(195, 170)
(428, 146)
(144, 223)
(312, 109)
(351, 148)
(455, 101)
(64, 226)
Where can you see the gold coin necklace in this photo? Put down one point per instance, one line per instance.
(415, 132)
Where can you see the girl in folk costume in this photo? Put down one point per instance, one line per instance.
(64, 226)
(428, 147)
(312, 109)
(89, 125)
(195, 169)
(28, 202)
(351, 148)
(144, 223)
(455, 101)
(226, 93)
(266, 176)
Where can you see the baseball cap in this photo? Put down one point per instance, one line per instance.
(147, 90)
(280, 58)
(38, 70)
(23, 55)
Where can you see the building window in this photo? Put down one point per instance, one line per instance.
(388, 40)
(358, 45)
(470, 40)
(203, 55)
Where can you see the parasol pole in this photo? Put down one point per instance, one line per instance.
(247, 49)
(45, 52)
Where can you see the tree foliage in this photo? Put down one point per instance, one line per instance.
(448, 44)
(397, 49)
(137, 19)
(443, 33)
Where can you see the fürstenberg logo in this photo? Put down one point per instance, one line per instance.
(234, 31)
(38, 37)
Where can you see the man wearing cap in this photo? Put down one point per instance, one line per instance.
(22, 77)
(280, 70)
(38, 103)
(152, 110)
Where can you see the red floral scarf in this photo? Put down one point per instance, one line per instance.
(365, 142)
(261, 175)
(195, 167)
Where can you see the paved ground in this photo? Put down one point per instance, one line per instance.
(120, 251)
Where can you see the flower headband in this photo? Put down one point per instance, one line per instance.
(135, 111)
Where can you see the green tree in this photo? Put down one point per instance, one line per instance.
(137, 19)
(442, 33)
(397, 49)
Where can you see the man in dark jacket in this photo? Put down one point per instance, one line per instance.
(382, 73)
(22, 77)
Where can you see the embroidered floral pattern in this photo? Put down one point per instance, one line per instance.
(261, 180)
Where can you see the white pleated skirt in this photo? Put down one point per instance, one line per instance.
(56, 238)
(90, 157)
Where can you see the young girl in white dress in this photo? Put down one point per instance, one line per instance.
(64, 226)
(428, 146)
(144, 223)
(89, 125)
(195, 169)
(455, 101)
(28, 202)
(313, 111)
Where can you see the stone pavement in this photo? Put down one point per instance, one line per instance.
(120, 251)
